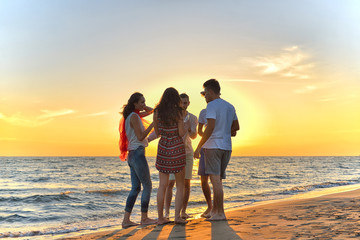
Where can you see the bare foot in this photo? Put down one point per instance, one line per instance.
(221, 217)
(128, 224)
(207, 213)
(167, 215)
(148, 221)
(163, 221)
(185, 216)
(180, 221)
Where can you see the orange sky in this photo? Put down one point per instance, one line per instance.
(65, 72)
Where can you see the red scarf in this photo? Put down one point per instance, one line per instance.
(123, 142)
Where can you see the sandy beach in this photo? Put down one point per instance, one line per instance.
(332, 216)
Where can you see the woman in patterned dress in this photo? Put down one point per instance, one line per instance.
(169, 124)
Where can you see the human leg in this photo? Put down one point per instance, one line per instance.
(186, 199)
(126, 221)
(163, 182)
(207, 194)
(130, 201)
(168, 197)
(218, 207)
(205, 184)
(215, 165)
(188, 177)
(179, 198)
(142, 170)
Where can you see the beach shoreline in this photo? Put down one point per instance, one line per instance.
(328, 214)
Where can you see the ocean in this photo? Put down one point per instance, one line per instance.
(47, 197)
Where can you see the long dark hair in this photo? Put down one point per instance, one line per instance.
(168, 109)
(130, 107)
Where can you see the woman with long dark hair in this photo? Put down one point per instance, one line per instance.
(169, 124)
(132, 147)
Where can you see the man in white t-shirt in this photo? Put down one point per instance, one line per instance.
(222, 124)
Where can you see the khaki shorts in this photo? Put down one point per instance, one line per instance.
(216, 161)
(188, 167)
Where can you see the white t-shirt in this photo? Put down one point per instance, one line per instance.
(224, 115)
(190, 119)
(202, 117)
(134, 143)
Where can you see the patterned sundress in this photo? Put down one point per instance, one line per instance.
(171, 156)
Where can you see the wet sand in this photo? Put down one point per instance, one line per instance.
(332, 216)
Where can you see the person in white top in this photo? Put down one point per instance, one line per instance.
(222, 124)
(190, 122)
(136, 142)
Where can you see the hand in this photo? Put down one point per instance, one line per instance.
(148, 109)
(187, 126)
(197, 153)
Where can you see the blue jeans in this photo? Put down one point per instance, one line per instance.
(140, 175)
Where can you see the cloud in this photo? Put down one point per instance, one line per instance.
(48, 116)
(307, 89)
(57, 113)
(94, 114)
(292, 48)
(290, 63)
(243, 80)
(18, 120)
(327, 99)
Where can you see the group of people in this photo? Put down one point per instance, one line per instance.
(176, 127)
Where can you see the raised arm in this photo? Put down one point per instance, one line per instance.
(135, 124)
(147, 112)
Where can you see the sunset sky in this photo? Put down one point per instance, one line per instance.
(290, 68)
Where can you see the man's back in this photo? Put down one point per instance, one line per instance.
(224, 115)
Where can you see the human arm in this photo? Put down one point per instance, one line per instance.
(152, 136)
(135, 124)
(200, 129)
(147, 112)
(206, 135)
(181, 126)
(156, 124)
(192, 129)
(234, 127)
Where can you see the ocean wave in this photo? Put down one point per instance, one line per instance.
(52, 232)
(41, 179)
(108, 192)
(12, 218)
(311, 187)
(39, 198)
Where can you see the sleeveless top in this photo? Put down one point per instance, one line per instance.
(171, 156)
(134, 143)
